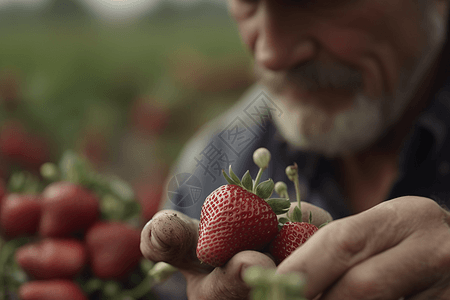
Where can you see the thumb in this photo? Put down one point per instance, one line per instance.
(172, 237)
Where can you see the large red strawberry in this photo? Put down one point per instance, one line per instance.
(236, 217)
(232, 220)
(56, 289)
(294, 231)
(67, 208)
(52, 258)
(20, 214)
(114, 249)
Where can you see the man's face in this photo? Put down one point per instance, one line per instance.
(342, 71)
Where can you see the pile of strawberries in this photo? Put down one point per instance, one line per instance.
(240, 216)
(69, 240)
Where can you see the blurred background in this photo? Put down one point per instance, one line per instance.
(124, 83)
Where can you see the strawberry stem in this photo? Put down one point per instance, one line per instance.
(160, 272)
(292, 174)
(258, 179)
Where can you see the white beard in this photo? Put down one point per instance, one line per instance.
(311, 129)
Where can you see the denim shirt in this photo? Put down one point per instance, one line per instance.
(424, 163)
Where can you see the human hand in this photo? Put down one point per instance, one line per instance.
(172, 237)
(399, 248)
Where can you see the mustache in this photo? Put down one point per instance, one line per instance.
(312, 76)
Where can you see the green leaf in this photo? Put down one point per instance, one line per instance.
(121, 189)
(247, 181)
(17, 182)
(111, 208)
(227, 178)
(279, 205)
(111, 288)
(296, 215)
(283, 220)
(24, 182)
(75, 168)
(234, 177)
(94, 284)
(265, 189)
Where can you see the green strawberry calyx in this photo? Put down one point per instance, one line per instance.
(264, 190)
(281, 189)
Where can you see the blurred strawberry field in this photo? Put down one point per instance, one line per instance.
(100, 108)
(127, 95)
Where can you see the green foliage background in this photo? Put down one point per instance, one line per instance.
(77, 74)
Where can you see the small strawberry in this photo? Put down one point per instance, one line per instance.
(21, 147)
(56, 289)
(67, 208)
(235, 217)
(294, 231)
(20, 214)
(291, 236)
(114, 249)
(52, 258)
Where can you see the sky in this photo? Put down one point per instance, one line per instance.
(109, 9)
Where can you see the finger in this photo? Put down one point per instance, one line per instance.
(226, 282)
(342, 244)
(370, 278)
(172, 237)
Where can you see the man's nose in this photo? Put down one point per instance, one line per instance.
(280, 46)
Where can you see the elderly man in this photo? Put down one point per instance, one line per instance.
(359, 94)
